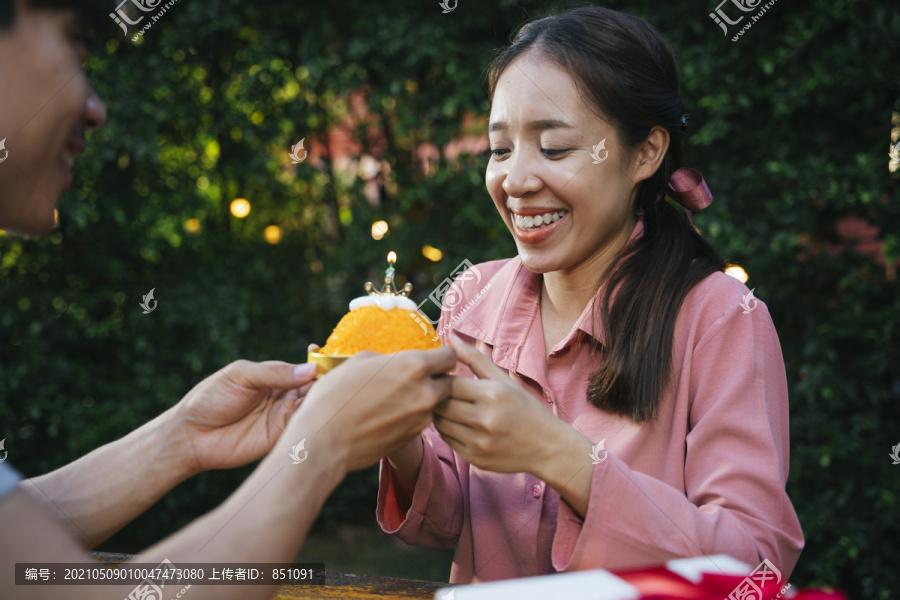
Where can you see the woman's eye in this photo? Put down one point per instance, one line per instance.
(548, 152)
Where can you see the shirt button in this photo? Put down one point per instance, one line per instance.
(536, 491)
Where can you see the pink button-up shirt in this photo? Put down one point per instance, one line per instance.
(706, 477)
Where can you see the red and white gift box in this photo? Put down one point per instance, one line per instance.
(718, 577)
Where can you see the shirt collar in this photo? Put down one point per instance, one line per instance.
(505, 312)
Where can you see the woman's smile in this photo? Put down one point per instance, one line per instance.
(534, 225)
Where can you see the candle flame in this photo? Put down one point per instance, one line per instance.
(392, 257)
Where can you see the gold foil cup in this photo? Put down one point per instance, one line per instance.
(325, 362)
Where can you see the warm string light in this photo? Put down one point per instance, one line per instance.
(431, 253)
(240, 207)
(272, 234)
(379, 230)
(738, 273)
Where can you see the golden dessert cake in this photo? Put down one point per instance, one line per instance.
(386, 322)
(383, 324)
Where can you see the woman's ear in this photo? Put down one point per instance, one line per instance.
(651, 154)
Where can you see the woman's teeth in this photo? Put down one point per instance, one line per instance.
(538, 221)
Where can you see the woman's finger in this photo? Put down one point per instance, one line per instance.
(458, 411)
(467, 389)
(454, 434)
(480, 364)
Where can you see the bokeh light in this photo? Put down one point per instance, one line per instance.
(240, 207)
(272, 233)
(192, 225)
(432, 253)
(738, 273)
(379, 229)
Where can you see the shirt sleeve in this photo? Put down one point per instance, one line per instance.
(9, 480)
(735, 470)
(435, 516)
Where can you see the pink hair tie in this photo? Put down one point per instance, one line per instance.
(687, 188)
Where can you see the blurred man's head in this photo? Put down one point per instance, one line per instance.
(46, 105)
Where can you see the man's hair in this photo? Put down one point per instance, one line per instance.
(90, 12)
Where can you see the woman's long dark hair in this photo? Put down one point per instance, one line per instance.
(625, 70)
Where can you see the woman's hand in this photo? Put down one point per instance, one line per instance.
(492, 422)
(495, 425)
(235, 415)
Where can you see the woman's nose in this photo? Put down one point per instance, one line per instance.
(520, 178)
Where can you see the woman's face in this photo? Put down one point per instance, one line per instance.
(541, 168)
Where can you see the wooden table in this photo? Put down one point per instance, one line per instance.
(341, 585)
(337, 585)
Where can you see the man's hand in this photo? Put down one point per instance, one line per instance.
(235, 415)
(371, 405)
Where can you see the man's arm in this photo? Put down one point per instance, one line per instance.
(229, 419)
(101, 492)
(350, 420)
(265, 520)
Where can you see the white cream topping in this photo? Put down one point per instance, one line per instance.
(538, 221)
(383, 302)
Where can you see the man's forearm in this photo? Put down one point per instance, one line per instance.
(265, 520)
(267, 517)
(100, 493)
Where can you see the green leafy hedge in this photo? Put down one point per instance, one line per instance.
(790, 128)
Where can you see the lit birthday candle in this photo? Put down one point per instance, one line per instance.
(389, 297)
(389, 273)
(384, 321)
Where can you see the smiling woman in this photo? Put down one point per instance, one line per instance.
(646, 132)
(613, 329)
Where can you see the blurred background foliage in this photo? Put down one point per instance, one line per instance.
(791, 126)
